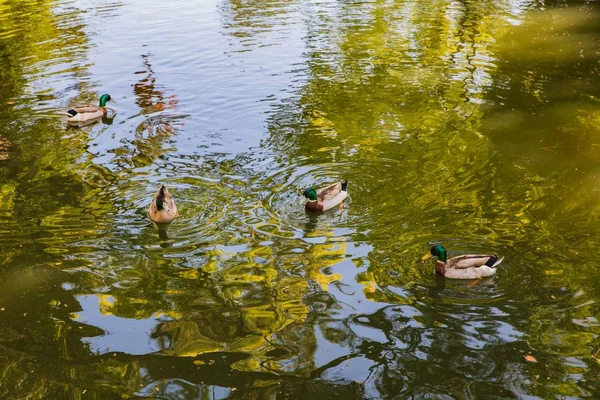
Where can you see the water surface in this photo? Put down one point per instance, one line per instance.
(471, 124)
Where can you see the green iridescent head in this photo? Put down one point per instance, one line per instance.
(310, 194)
(104, 99)
(436, 251)
(160, 198)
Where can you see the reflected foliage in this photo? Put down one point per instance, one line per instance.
(445, 125)
(467, 123)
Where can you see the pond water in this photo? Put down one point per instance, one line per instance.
(471, 124)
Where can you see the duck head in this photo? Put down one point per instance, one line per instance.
(310, 194)
(436, 251)
(105, 98)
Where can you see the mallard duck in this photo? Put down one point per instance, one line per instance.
(467, 266)
(325, 198)
(162, 210)
(88, 113)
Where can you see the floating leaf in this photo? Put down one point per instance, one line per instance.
(530, 358)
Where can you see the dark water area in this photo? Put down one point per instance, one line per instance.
(471, 124)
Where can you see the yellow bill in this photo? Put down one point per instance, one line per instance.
(426, 257)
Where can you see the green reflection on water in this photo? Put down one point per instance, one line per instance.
(471, 124)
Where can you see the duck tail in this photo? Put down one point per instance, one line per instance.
(494, 261)
(71, 113)
(160, 198)
(345, 186)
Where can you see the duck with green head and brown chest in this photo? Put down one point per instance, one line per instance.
(468, 266)
(89, 113)
(162, 210)
(326, 198)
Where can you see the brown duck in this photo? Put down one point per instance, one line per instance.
(162, 210)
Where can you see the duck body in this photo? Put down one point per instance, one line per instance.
(88, 113)
(326, 198)
(85, 113)
(468, 266)
(162, 210)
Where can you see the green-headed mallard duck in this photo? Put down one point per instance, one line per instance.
(327, 197)
(88, 113)
(467, 266)
(162, 210)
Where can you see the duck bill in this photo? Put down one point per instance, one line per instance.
(426, 257)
